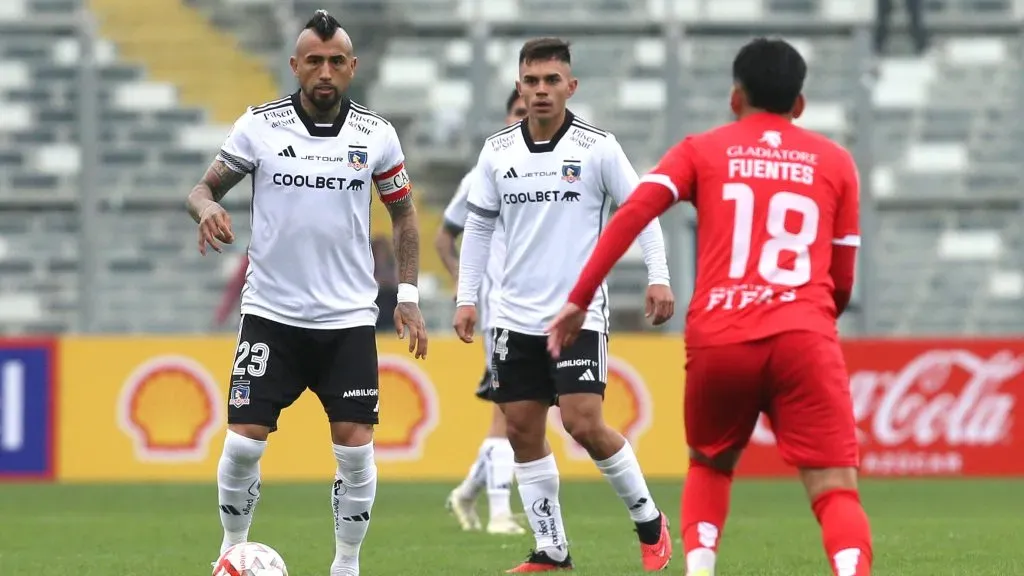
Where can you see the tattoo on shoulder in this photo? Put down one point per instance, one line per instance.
(220, 178)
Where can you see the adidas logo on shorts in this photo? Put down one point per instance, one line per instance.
(588, 376)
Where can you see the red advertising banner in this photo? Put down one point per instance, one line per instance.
(926, 408)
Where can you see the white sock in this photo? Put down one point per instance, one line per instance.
(500, 461)
(623, 472)
(700, 559)
(355, 486)
(538, 487)
(238, 486)
(476, 480)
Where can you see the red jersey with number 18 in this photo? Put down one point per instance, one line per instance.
(772, 201)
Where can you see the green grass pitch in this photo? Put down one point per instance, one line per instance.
(921, 528)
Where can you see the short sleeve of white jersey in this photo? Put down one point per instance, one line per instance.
(457, 211)
(617, 173)
(484, 199)
(238, 152)
(389, 173)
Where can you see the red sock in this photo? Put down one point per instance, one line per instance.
(705, 506)
(845, 532)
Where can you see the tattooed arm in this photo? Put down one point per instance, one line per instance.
(406, 231)
(204, 205)
(219, 178)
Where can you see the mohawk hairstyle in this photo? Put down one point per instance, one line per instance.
(511, 101)
(323, 24)
(543, 49)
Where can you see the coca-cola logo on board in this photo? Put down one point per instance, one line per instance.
(940, 397)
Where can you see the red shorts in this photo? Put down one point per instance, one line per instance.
(798, 379)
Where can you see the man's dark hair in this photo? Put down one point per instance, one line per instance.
(772, 74)
(511, 101)
(543, 49)
(323, 24)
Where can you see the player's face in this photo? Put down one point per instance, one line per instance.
(324, 69)
(545, 87)
(517, 112)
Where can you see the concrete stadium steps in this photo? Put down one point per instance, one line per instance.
(176, 44)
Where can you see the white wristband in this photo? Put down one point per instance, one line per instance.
(408, 293)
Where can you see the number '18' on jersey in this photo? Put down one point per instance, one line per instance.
(772, 201)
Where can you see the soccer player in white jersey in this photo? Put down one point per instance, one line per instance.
(308, 310)
(492, 468)
(550, 179)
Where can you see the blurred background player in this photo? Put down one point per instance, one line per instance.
(308, 305)
(550, 180)
(492, 468)
(778, 228)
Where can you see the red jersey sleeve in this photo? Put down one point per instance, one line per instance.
(846, 235)
(675, 171)
(847, 223)
(671, 181)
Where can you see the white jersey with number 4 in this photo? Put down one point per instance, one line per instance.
(310, 263)
(552, 200)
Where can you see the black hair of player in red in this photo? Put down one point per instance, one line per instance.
(771, 73)
(323, 24)
(544, 49)
(511, 102)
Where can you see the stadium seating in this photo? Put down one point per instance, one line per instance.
(946, 138)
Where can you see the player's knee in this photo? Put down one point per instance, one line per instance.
(525, 426)
(587, 432)
(356, 466)
(251, 431)
(724, 461)
(817, 481)
(498, 424)
(351, 433)
(242, 451)
(524, 435)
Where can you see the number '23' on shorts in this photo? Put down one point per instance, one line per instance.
(799, 379)
(275, 363)
(524, 369)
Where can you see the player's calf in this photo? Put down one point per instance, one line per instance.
(845, 530)
(614, 457)
(536, 473)
(238, 486)
(705, 507)
(352, 495)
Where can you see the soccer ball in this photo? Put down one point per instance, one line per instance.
(250, 559)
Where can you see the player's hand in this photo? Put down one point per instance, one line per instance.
(465, 323)
(661, 304)
(214, 226)
(409, 322)
(564, 329)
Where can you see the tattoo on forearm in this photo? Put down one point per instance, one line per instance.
(219, 178)
(407, 250)
(407, 240)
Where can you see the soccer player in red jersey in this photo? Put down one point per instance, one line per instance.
(777, 231)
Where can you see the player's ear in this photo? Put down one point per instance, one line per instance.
(573, 84)
(352, 68)
(798, 106)
(294, 63)
(736, 100)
